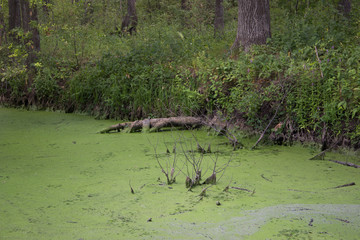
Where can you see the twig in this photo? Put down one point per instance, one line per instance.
(228, 186)
(262, 135)
(343, 220)
(262, 175)
(346, 185)
(242, 189)
(320, 156)
(310, 223)
(131, 189)
(203, 192)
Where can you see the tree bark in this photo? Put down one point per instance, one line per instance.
(2, 26)
(35, 36)
(25, 15)
(14, 14)
(345, 7)
(219, 18)
(21, 14)
(130, 21)
(253, 23)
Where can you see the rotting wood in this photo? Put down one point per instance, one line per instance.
(156, 124)
(346, 163)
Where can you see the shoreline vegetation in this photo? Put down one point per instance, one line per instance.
(303, 85)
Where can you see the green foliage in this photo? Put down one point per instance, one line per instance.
(46, 85)
(173, 65)
(13, 71)
(132, 85)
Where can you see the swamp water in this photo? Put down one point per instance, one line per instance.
(59, 179)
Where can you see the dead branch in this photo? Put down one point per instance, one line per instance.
(242, 189)
(131, 189)
(203, 192)
(262, 175)
(345, 185)
(272, 119)
(172, 178)
(346, 163)
(321, 156)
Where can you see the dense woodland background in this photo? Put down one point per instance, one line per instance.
(158, 58)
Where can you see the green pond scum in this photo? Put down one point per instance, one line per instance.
(60, 179)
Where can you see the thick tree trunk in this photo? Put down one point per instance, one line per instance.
(130, 21)
(345, 7)
(35, 36)
(2, 26)
(219, 18)
(25, 15)
(14, 14)
(21, 14)
(253, 23)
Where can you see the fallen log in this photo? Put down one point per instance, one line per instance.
(156, 124)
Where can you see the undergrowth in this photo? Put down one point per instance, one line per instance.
(174, 65)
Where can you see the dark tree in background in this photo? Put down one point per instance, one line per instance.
(219, 18)
(88, 11)
(184, 5)
(253, 23)
(130, 20)
(14, 14)
(23, 16)
(345, 7)
(2, 26)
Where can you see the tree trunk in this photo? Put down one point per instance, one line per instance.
(2, 26)
(14, 14)
(184, 5)
(130, 20)
(88, 11)
(25, 15)
(219, 18)
(345, 7)
(20, 16)
(253, 23)
(35, 36)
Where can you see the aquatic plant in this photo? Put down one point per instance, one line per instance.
(192, 162)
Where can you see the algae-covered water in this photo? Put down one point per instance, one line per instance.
(60, 179)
